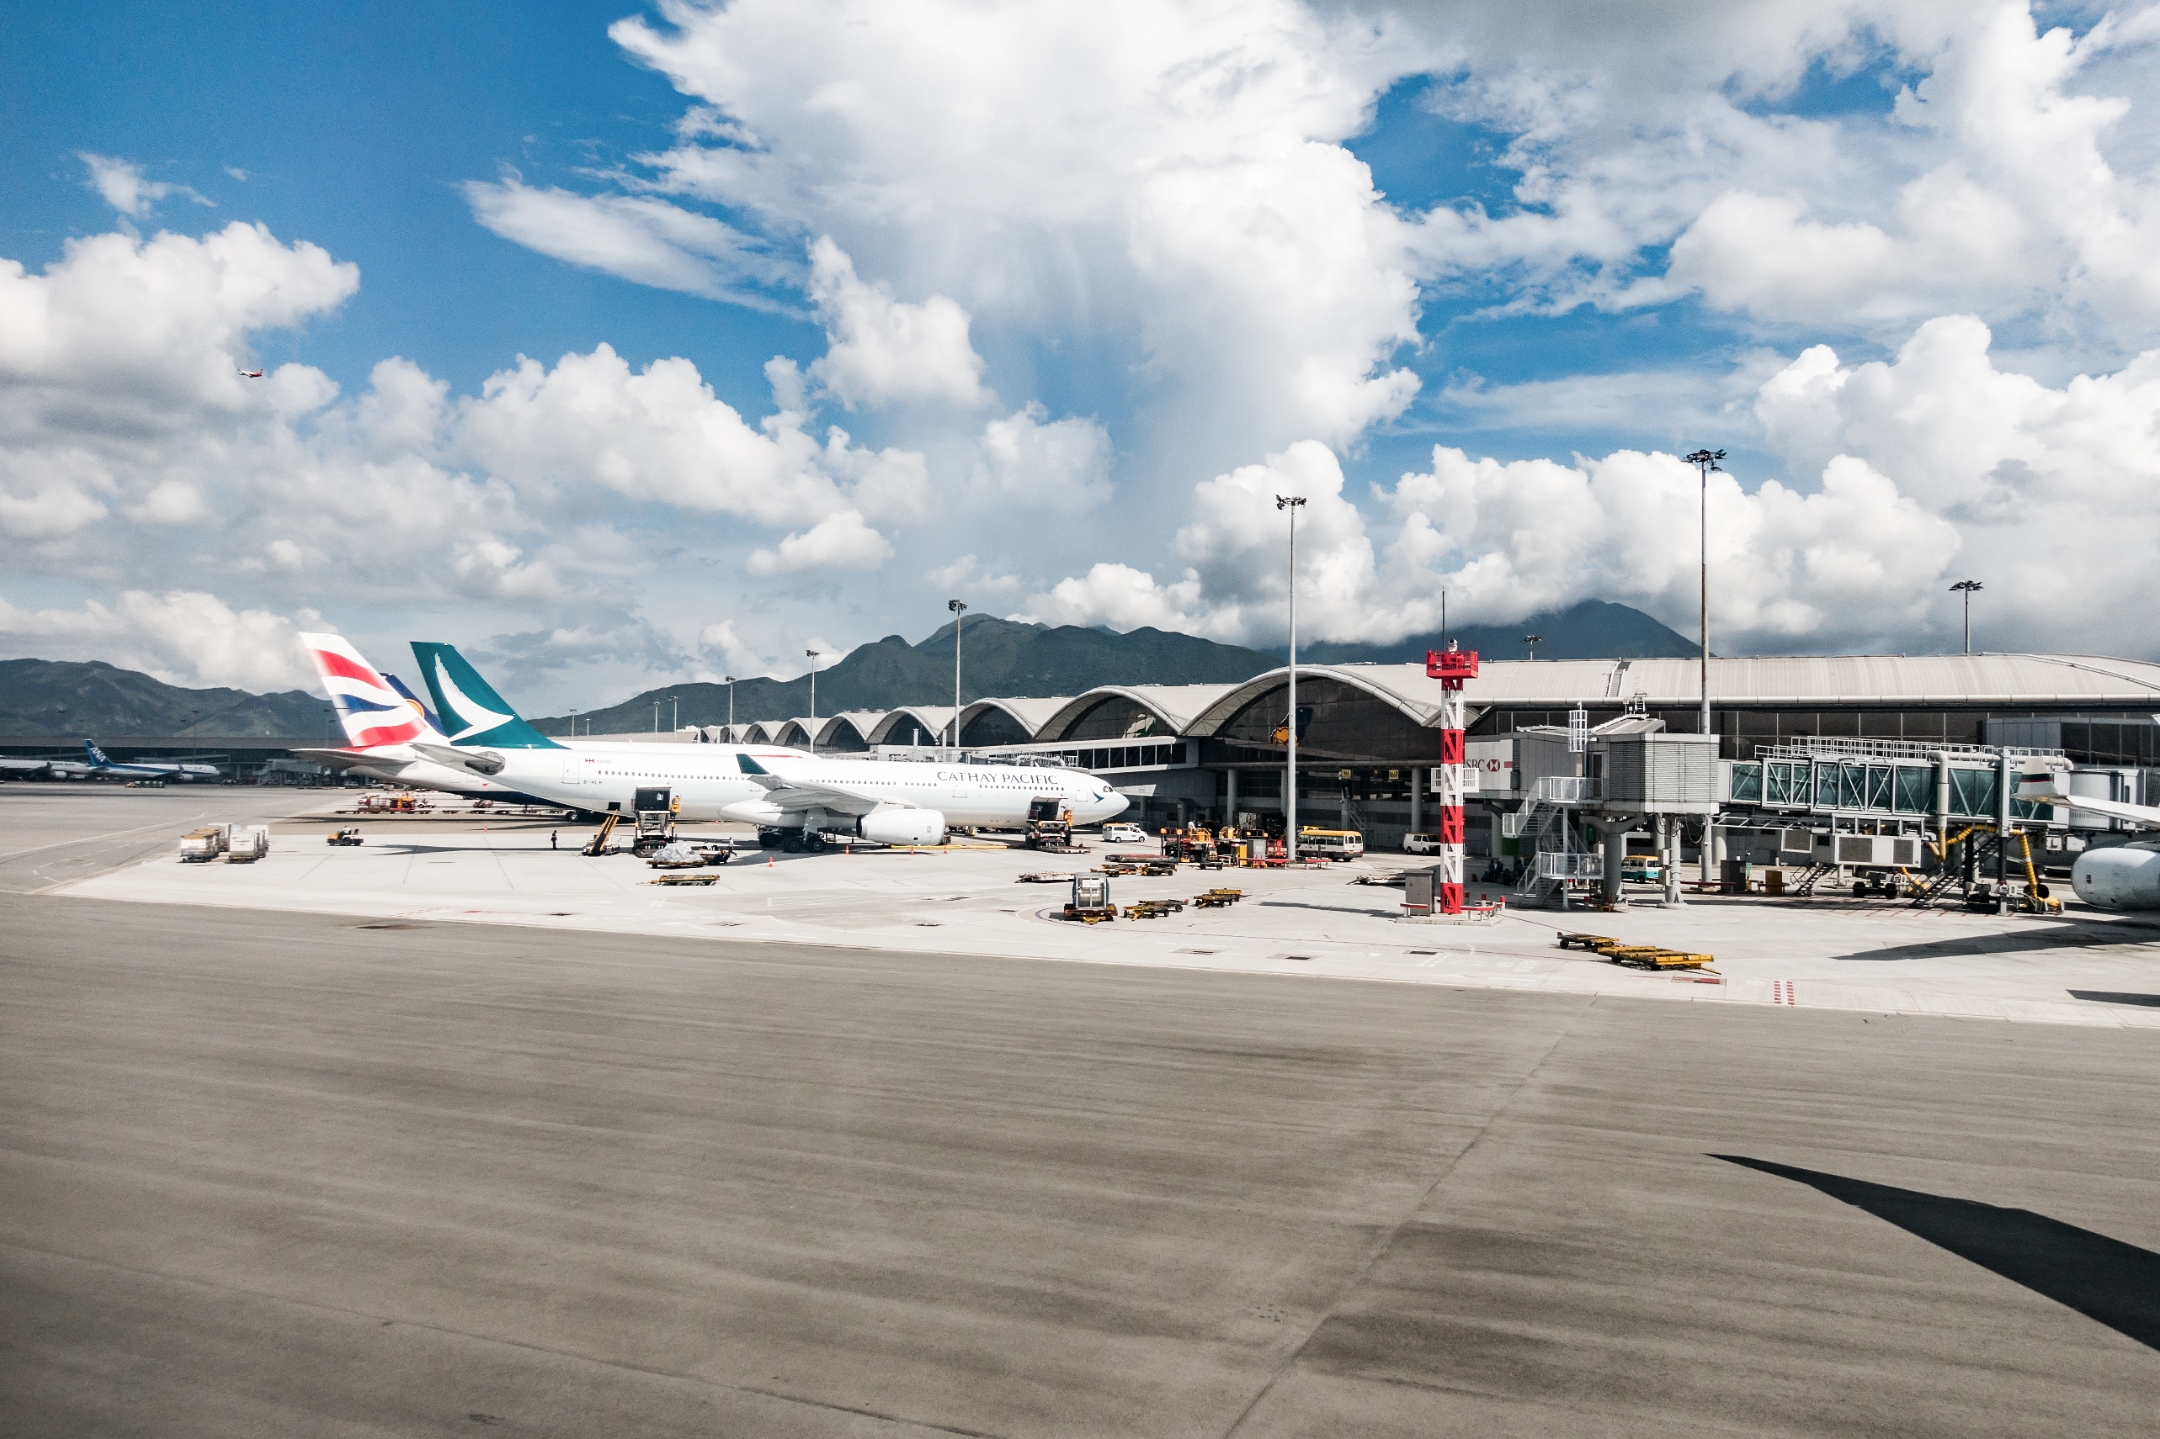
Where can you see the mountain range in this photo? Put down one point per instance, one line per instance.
(71, 699)
(1013, 658)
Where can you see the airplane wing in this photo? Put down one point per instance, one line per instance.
(2113, 808)
(344, 758)
(794, 796)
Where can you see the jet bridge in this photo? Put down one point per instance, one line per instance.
(1864, 810)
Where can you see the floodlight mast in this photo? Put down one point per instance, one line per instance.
(959, 610)
(1706, 464)
(813, 654)
(730, 681)
(1970, 587)
(1292, 503)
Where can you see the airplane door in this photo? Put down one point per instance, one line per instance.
(570, 770)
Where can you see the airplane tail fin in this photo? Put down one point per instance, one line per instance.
(472, 713)
(370, 710)
(96, 755)
(434, 725)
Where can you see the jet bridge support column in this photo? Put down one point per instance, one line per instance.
(1451, 667)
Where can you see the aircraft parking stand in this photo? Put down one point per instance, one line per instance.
(965, 899)
(452, 1134)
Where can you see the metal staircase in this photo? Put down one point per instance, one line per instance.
(1986, 840)
(1550, 858)
(1815, 875)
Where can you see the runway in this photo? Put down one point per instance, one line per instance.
(270, 1173)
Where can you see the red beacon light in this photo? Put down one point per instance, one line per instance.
(1451, 667)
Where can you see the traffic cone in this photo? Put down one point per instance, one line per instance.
(768, 859)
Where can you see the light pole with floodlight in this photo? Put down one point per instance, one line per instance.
(729, 680)
(813, 654)
(1706, 464)
(1970, 587)
(1292, 503)
(958, 608)
(1530, 644)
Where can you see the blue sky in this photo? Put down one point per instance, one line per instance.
(1082, 294)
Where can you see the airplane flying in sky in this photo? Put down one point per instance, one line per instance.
(795, 797)
(155, 769)
(251, 374)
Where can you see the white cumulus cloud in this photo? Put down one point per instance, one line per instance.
(882, 349)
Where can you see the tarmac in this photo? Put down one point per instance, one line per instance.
(531, 1154)
(2085, 968)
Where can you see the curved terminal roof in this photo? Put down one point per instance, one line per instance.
(1753, 681)
(1998, 681)
(1025, 716)
(899, 726)
(850, 729)
(1173, 707)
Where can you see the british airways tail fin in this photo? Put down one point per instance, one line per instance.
(434, 725)
(472, 713)
(370, 710)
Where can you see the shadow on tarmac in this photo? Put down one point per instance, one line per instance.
(2040, 938)
(2103, 1279)
(2110, 996)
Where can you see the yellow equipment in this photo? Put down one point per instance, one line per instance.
(1635, 956)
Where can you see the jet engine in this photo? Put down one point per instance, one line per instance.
(906, 826)
(2125, 876)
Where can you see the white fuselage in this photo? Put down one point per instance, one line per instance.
(709, 782)
(2124, 876)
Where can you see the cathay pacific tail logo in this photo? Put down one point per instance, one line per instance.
(476, 718)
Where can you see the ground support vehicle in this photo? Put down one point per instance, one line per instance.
(679, 878)
(1329, 843)
(654, 811)
(200, 846)
(1090, 902)
(1635, 956)
(248, 843)
(1050, 831)
(1148, 864)
(598, 844)
(1421, 844)
(1154, 908)
(345, 837)
(677, 855)
(1218, 898)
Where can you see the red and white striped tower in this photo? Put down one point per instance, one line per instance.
(1451, 667)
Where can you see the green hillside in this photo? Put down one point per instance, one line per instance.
(68, 699)
(1591, 630)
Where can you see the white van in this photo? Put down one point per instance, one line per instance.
(1421, 844)
(1123, 832)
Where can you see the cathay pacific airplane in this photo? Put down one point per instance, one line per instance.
(796, 800)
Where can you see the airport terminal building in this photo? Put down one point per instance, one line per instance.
(1367, 735)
